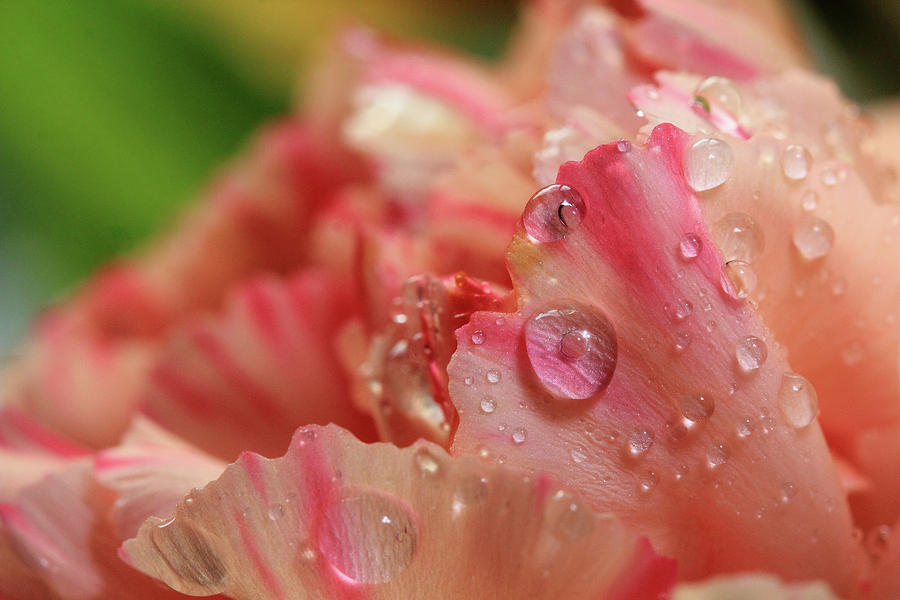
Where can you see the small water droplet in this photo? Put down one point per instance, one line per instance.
(744, 427)
(716, 456)
(738, 279)
(682, 309)
(276, 511)
(788, 491)
(795, 162)
(368, 537)
(426, 462)
(572, 349)
(477, 337)
(877, 541)
(519, 435)
(751, 353)
(719, 92)
(832, 175)
(552, 213)
(488, 405)
(739, 237)
(648, 481)
(813, 237)
(698, 407)
(682, 341)
(810, 201)
(578, 454)
(468, 380)
(708, 164)
(623, 145)
(493, 376)
(798, 401)
(690, 246)
(639, 443)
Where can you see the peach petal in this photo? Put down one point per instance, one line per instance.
(648, 447)
(248, 377)
(752, 587)
(336, 518)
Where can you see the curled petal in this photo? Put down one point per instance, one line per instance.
(625, 372)
(336, 518)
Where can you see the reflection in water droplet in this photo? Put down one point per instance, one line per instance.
(426, 462)
(552, 213)
(738, 279)
(708, 164)
(721, 93)
(698, 407)
(572, 349)
(813, 237)
(798, 401)
(639, 443)
(795, 162)
(751, 353)
(690, 246)
(368, 537)
(739, 237)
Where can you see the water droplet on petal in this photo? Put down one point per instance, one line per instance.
(739, 237)
(721, 92)
(639, 443)
(795, 162)
(493, 376)
(568, 517)
(488, 405)
(751, 353)
(716, 456)
(478, 337)
(788, 491)
(682, 309)
(519, 435)
(552, 213)
(798, 401)
(276, 511)
(690, 246)
(698, 407)
(648, 481)
(744, 427)
(578, 454)
(708, 164)
(623, 145)
(810, 201)
(738, 279)
(368, 537)
(572, 349)
(682, 341)
(426, 462)
(813, 237)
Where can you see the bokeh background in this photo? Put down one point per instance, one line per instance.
(113, 113)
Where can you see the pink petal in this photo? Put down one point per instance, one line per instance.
(729, 471)
(248, 377)
(336, 518)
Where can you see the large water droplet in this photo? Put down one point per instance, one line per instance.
(738, 279)
(739, 237)
(698, 407)
(719, 92)
(690, 246)
(708, 164)
(572, 349)
(552, 213)
(795, 162)
(751, 353)
(798, 401)
(639, 443)
(488, 405)
(813, 237)
(368, 537)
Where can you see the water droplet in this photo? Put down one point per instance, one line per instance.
(519, 435)
(623, 145)
(719, 92)
(853, 353)
(813, 237)
(639, 443)
(682, 341)
(810, 200)
(572, 349)
(738, 279)
(751, 353)
(739, 237)
(648, 481)
(488, 405)
(788, 491)
(877, 541)
(477, 337)
(716, 456)
(744, 427)
(368, 537)
(276, 511)
(698, 407)
(798, 401)
(426, 462)
(493, 376)
(690, 246)
(568, 517)
(468, 380)
(708, 164)
(578, 454)
(795, 162)
(832, 175)
(552, 213)
(682, 309)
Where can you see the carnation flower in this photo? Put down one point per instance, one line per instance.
(615, 317)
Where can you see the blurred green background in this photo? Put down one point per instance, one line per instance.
(113, 113)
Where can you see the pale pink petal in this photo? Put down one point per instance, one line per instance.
(245, 379)
(336, 518)
(731, 481)
(752, 587)
(150, 471)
